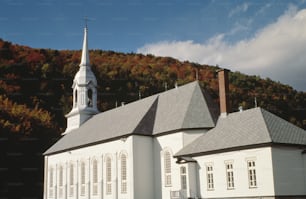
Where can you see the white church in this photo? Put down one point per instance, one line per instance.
(173, 145)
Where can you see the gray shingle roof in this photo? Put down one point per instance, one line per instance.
(184, 107)
(251, 127)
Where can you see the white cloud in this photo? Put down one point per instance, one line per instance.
(277, 51)
(239, 9)
(240, 27)
(263, 9)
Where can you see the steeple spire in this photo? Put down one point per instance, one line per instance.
(85, 52)
(84, 92)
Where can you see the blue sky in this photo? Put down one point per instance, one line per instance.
(233, 34)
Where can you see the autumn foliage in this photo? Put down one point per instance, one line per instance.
(38, 82)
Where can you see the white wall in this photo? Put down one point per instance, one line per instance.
(192, 179)
(100, 151)
(264, 173)
(143, 167)
(190, 135)
(289, 171)
(172, 142)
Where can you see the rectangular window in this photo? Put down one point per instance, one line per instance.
(95, 178)
(229, 175)
(71, 181)
(60, 182)
(167, 168)
(82, 178)
(252, 174)
(183, 178)
(51, 172)
(108, 176)
(123, 174)
(210, 177)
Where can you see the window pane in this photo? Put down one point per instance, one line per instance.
(83, 178)
(95, 177)
(123, 174)
(230, 176)
(108, 175)
(183, 178)
(210, 176)
(252, 174)
(95, 171)
(167, 167)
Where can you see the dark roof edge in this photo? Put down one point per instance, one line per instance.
(90, 144)
(240, 148)
(123, 136)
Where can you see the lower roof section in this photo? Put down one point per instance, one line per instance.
(254, 127)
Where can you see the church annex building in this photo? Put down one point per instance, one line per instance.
(173, 145)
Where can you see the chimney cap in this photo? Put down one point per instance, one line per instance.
(223, 69)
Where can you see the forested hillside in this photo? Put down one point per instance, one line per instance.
(35, 94)
(37, 83)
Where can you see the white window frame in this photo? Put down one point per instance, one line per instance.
(108, 175)
(252, 173)
(95, 177)
(210, 177)
(123, 161)
(60, 181)
(167, 168)
(83, 178)
(51, 182)
(71, 180)
(183, 173)
(230, 175)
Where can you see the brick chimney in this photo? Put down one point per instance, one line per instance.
(223, 92)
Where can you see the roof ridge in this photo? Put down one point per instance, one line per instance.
(146, 124)
(266, 124)
(188, 107)
(197, 93)
(277, 132)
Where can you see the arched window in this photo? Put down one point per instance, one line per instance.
(71, 180)
(167, 168)
(89, 94)
(95, 177)
(60, 183)
(123, 173)
(83, 178)
(108, 175)
(51, 182)
(75, 97)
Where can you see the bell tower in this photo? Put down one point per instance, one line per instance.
(84, 92)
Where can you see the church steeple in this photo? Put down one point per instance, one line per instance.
(84, 92)
(85, 53)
